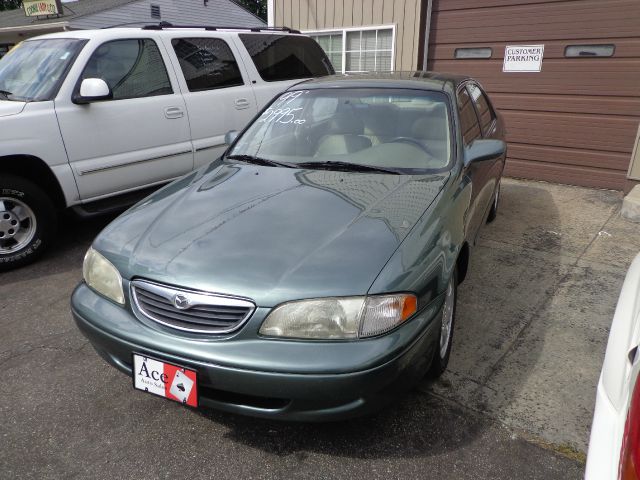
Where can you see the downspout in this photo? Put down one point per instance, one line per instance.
(427, 32)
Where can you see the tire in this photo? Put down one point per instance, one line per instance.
(27, 222)
(494, 207)
(443, 347)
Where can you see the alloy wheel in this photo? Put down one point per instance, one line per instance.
(17, 225)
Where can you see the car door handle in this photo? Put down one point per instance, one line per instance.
(173, 112)
(242, 103)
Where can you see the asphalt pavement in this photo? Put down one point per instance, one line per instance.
(506, 409)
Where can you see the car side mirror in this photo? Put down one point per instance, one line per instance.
(230, 136)
(92, 90)
(481, 150)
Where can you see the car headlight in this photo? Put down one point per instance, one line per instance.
(102, 276)
(339, 318)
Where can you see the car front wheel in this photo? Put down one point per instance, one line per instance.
(27, 222)
(443, 344)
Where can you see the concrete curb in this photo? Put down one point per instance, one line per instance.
(631, 205)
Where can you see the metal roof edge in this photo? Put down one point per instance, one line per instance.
(35, 26)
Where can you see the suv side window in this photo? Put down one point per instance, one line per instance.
(132, 68)
(468, 118)
(207, 63)
(485, 112)
(286, 57)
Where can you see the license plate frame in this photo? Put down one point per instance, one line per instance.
(165, 379)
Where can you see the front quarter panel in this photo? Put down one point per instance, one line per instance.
(426, 258)
(34, 132)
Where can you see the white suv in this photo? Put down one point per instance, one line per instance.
(93, 119)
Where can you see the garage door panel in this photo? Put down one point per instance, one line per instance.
(552, 48)
(617, 77)
(576, 120)
(625, 106)
(550, 172)
(559, 20)
(569, 156)
(595, 132)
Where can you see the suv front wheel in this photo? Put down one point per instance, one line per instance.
(27, 221)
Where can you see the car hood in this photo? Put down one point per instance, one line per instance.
(269, 234)
(8, 108)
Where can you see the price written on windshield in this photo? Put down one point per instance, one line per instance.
(287, 98)
(282, 115)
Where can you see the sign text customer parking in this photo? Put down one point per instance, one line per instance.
(523, 58)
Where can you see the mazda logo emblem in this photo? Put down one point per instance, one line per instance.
(181, 302)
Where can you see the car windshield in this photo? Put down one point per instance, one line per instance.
(34, 70)
(399, 130)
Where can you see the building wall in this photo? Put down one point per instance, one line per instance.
(329, 14)
(576, 120)
(188, 12)
(184, 12)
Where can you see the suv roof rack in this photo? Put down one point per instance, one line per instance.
(163, 25)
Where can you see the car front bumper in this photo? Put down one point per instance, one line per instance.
(270, 378)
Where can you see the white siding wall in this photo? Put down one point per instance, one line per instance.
(330, 14)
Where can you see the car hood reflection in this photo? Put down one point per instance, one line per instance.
(270, 234)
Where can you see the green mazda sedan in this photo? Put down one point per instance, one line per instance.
(310, 273)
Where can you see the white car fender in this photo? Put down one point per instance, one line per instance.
(623, 338)
(34, 131)
(616, 383)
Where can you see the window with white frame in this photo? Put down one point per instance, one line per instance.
(358, 50)
(331, 43)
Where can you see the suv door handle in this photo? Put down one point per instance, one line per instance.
(173, 112)
(242, 103)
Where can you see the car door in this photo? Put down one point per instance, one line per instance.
(217, 92)
(490, 130)
(140, 137)
(477, 172)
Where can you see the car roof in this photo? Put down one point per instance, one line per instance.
(413, 79)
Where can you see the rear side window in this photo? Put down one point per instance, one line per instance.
(132, 68)
(468, 118)
(485, 112)
(286, 57)
(207, 63)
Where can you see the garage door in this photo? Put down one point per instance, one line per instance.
(575, 121)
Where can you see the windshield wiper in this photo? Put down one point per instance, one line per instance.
(261, 161)
(346, 167)
(5, 94)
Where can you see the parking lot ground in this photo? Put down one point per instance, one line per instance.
(536, 311)
(517, 401)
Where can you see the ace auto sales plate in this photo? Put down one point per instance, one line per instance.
(165, 380)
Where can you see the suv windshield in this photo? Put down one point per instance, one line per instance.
(406, 131)
(34, 70)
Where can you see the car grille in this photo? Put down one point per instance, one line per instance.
(190, 310)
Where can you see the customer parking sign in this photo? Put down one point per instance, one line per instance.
(523, 58)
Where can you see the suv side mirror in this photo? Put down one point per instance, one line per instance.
(481, 150)
(230, 136)
(93, 90)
